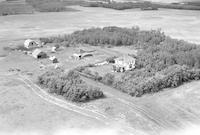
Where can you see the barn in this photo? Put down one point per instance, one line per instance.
(37, 53)
(30, 43)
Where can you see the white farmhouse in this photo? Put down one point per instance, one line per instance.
(124, 63)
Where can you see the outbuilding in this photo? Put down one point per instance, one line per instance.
(30, 44)
(79, 56)
(53, 59)
(37, 53)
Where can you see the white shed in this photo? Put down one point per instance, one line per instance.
(30, 43)
(37, 53)
(53, 59)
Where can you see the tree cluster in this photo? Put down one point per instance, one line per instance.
(156, 54)
(139, 82)
(70, 85)
(120, 5)
(112, 35)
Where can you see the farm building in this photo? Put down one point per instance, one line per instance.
(53, 59)
(37, 53)
(30, 43)
(79, 56)
(124, 63)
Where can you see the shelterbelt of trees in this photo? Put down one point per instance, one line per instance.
(146, 5)
(69, 85)
(162, 62)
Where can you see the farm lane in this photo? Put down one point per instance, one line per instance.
(107, 121)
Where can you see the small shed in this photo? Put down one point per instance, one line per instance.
(77, 56)
(30, 43)
(53, 49)
(53, 59)
(37, 53)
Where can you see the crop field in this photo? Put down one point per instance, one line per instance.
(178, 24)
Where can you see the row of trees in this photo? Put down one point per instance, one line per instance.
(70, 85)
(112, 35)
(121, 5)
(138, 83)
(143, 5)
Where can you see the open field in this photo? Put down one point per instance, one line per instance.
(178, 24)
(27, 108)
(22, 111)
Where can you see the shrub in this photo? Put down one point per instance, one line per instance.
(111, 59)
(108, 79)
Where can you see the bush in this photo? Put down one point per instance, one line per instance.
(111, 59)
(70, 85)
(108, 79)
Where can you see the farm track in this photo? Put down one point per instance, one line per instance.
(69, 106)
(44, 95)
(144, 111)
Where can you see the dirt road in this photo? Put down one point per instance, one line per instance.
(146, 112)
(107, 121)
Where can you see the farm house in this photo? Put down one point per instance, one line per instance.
(30, 43)
(37, 53)
(124, 63)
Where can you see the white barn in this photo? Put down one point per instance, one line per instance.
(30, 43)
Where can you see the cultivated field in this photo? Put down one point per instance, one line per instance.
(176, 23)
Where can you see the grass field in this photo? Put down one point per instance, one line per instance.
(179, 24)
(22, 112)
(7, 8)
